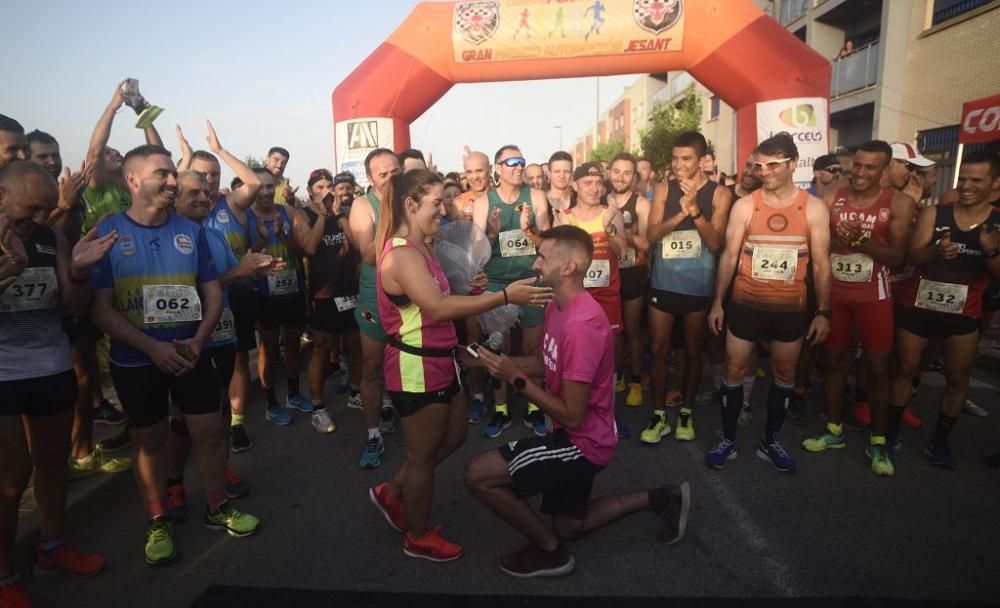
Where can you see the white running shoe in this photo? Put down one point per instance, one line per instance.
(354, 401)
(322, 422)
(974, 410)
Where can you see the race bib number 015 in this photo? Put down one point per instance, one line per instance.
(34, 289)
(598, 275)
(681, 244)
(853, 268)
(225, 329)
(170, 304)
(942, 297)
(283, 282)
(514, 243)
(774, 263)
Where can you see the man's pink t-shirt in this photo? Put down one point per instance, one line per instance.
(578, 346)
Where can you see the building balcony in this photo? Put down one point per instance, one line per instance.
(793, 9)
(856, 72)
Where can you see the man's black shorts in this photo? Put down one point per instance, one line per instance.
(81, 328)
(243, 303)
(408, 404)
(555, 468)
(275, 312)
(327, 318)
(755, 325)
(633, 282)
(223, 360)
(145, 392)
(933, 325)
(38, 396)
(678, 303)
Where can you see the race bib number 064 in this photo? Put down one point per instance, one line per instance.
(514, 243)
(942, 297)
(170, 304)
(774, 263)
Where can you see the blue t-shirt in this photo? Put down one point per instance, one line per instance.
(154, 273)
(225, 330)
(222, 219)
(286, 283)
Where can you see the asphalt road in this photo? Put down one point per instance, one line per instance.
(831, 530)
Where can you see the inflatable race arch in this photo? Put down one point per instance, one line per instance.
(773, 80)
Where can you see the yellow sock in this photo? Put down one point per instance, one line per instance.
(836, 429)
(502, 408)
(877, 440)
(532, 407)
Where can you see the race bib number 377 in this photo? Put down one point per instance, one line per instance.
(170, 304)
(514, 243)
(34, 289)
(774, 263)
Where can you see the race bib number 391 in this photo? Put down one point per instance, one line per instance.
(942, 297)
(225, 329)
(170, 304)
(598, 275)
(35, 289)
(681, 244)
(774, 263)
(514, 243)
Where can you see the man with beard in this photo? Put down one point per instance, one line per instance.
(534, 176)
(560, 194)
(826, 176)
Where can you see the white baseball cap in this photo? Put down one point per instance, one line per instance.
(910, 154)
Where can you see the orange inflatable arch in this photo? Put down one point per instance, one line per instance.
(772, 79)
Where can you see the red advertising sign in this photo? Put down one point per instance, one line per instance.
(980, 120)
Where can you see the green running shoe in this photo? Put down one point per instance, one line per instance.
(97, 462)
(658, 429)
(234, 522)
(881, 463)
(159, 541)
(824, 441)
(685, 427)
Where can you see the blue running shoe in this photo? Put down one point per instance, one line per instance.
(536, 422)
(278, 415)
(623, 430)
(476, 411)
(776, 454)
(371, 458)
(298, 402)
(497, 424)
(720, 454)
(939, 454)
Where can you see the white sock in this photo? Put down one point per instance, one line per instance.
(373, 433)
(747, 389)
(478, 396)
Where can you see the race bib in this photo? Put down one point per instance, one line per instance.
(774, 263)
(514, 243)
(853, 268)
(283, 282)
(628, 259)
(36, 288)
(170, 304)
(598, 275)
(681, 244)
(225, 329)
(942, 297)
(346, 303)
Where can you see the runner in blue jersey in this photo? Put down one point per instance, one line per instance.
(157, 296)
(229, 216)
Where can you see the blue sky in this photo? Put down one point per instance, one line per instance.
(262, 71)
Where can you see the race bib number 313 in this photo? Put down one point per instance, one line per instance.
(774, 263)
(942, 297)
(514, 243)
(170, 304)
(854, 268)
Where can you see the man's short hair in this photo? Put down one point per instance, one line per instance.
(410, 153)
(496, 157)
(187, 174)
(373, 154)
(13, 174)
(626, 157)
(692, 139)
(9, 124)
(262, 171)
(984, 156)
(280, 151)
(572, 237)
(877, 146)
(205, 156)
(779, 144)
(561, 155)
(41, 137)
(143, 152)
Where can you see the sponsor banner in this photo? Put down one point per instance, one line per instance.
(511, 30)
(980, 120)
(806, 120)
(356, 138)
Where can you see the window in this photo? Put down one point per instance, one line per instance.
(714, 108)
(949, 9)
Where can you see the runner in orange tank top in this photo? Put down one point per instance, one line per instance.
(770, 238)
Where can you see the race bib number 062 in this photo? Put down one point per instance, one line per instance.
(170, 304)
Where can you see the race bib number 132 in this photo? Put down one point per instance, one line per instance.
(942, 297)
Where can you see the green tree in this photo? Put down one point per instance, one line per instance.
(607, 150)
(254, 163)
(667, 121)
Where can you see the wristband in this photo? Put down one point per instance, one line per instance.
(824, 312)
(506, 301)
(519, 384)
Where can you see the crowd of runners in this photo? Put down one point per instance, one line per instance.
(145, 265)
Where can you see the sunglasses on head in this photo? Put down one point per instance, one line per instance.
(513, 161)
(834, 169)
(321, 174)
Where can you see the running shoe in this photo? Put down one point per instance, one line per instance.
(15, 596)
(684, 431)
(67, 560)
(536, 422)
(354, 401)
(278, 415)
(881, 463)
(298, 402)
(159, 541)
(177, 508)
(620, 384)
(476, 411)
(530, 561)
(658, 429)
(862, 413)
(720, 454)
(674, 398)
(499, 423)
(621, 428)
(371, 458)
(235, 523)
(775, 453)
(824, 441)
(676, 515)
(391, 507)
(939, 454)
(116, 443)
(634, 396)
(236, 486)
(707, 398)
(239, 439)
(387, 420)
(972, 409)
(95, 463)
(746, 417)
(108, 414)
(322, 421)
(910, 419)
(431, 546)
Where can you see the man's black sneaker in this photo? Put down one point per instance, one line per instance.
(239, 439)
(116, 443)
(108, 415)
(529, 561)
(676, 515)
